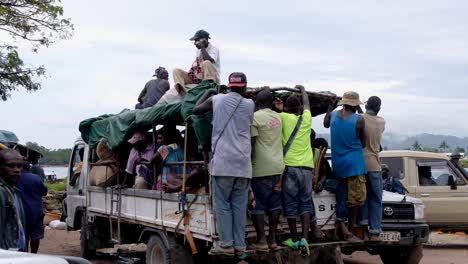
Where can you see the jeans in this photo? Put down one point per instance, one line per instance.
(371, 211)
(267, 199)
(230, 195)
(297, 192)
(341, 201)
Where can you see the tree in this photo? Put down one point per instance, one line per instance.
(37, 23)
(459, 149)
(444, 146)
(51, 156)
(416, 145)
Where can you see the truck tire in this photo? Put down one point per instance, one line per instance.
(86, 251)
(402, 255)
(157, 252)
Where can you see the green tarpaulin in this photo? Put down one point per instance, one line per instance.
(116, 129)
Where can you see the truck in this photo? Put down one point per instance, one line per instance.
(440, 181)
(181, 227)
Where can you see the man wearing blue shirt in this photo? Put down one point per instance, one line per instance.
(33, 189)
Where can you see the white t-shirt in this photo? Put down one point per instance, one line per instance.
(214, 54)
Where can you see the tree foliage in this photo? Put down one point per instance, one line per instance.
(51, 156)
(38, 23)
(459, 149)
(444, 146)
(416, 146)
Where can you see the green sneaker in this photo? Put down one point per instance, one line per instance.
(290, 243)
(304, 248)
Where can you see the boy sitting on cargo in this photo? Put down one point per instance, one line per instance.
(170, 151)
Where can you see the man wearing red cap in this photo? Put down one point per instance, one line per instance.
(231, 166)
(206, 66)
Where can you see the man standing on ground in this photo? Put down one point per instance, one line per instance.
(231, 166)
(32, 188)
(347, 142)
(299, 161)
(11, 208)
(371, 212)
(206, 66)
(267, 167)
(154, 89)
(36, 168)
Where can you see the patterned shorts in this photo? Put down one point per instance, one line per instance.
(356, 190)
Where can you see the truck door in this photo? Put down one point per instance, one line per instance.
(445, 204)
(76, 184)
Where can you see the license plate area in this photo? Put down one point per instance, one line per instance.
(390, 236)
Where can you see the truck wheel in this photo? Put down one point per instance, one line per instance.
(157, 252)
(86, 251)
(402, 255)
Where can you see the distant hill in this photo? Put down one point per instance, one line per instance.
(427, 141)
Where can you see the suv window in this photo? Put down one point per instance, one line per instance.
(436, 173)
(76, 164)
(395, 166)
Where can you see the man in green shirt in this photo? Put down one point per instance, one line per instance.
(299, 161)
(267, 167)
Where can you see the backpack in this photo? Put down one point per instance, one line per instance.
(392, 184)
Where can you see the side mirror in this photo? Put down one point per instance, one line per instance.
(452, 183)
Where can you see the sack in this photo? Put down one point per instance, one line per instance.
(103, 152)
(102, 175)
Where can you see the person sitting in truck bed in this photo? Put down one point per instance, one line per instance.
(171, 150)
(324, 178)
(142, 150)
(154, 89)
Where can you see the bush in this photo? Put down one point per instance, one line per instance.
(58, 187)
(464, 163)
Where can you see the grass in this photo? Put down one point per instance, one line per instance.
(58, 187)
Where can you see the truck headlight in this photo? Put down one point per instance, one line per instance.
(419, 211)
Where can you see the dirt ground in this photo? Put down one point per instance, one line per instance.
(58, 242)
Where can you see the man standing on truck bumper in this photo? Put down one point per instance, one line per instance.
(231, 166)
(347, 142)
(299, 161)
(371, 212)
(267, 167)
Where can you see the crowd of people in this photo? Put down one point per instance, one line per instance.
(269, 148)
(21, 209)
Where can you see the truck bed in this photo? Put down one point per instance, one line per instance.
(161, 210)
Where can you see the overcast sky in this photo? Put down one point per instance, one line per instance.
(413, 54)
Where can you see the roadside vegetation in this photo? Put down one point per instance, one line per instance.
(51, 156)
(58, 187)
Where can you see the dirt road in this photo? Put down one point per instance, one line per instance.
(59, 242)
